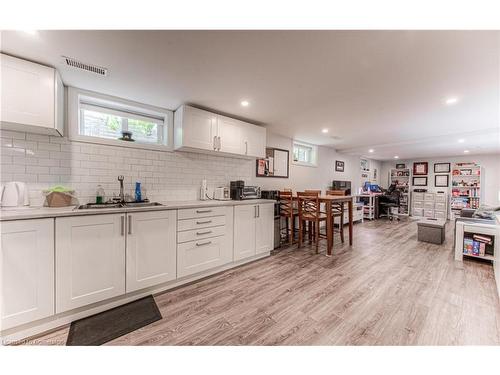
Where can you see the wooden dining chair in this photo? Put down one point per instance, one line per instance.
(313, 191)
(309, 212)
(289, 211)
(337, 211)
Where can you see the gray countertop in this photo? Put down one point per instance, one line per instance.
(47, 212)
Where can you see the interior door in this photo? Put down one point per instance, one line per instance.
(27, 271)
(199, 129)
(90, 259)
(230, 135)
(151, 248)
(244, 231)
(264, 228)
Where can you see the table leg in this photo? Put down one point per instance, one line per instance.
(350, 222)
(329, 228)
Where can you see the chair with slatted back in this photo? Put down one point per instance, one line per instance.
(310, 212)
(338, 211)
(288, 210)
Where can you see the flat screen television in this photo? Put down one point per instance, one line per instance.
(342, 185)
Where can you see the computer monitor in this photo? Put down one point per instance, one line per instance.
(342, 185)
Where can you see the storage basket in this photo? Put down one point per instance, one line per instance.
(58, 199)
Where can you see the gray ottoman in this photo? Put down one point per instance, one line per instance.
(431, 230)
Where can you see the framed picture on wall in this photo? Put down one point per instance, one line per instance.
(442, 168)
(441, 180)
(339, 166)
(419, 181)
(400, 166)
(420, 168)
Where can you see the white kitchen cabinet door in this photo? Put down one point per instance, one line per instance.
(27, 271)
(202, 255)
(264, 228)
(151, 248)
(90, 259)
(244, 231)
(254, 140)
(195, 128)
(31, 97)
(230, 135)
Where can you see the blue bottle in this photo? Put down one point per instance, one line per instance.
(138, 195)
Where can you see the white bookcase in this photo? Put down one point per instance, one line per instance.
(465, 187)
(401, 177)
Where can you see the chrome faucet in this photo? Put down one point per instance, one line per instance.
(122, 196)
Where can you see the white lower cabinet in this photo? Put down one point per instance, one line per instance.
(27, 271)
(205, 239)
(90, 259)
(253, 230)
(151, 248)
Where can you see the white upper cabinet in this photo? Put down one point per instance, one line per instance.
(151, 248)
(32, 97)
(27, 271)
(197, 129)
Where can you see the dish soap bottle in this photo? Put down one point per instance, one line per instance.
(99, 195)
(138, 195)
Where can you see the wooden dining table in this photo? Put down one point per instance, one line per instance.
(328, 201)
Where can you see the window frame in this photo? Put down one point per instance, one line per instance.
(314, 154)
(109, 104)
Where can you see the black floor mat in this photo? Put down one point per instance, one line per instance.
(108, 325)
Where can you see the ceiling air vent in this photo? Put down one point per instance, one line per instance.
(84, 66)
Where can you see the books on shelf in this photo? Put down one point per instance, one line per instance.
(465, 187)
(474, 248)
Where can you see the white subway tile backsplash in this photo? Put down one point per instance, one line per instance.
(43, 161)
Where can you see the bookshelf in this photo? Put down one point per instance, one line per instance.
(465, 187)
(401, 177)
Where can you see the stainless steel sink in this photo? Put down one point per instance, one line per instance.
(91, 206)
(142, 204)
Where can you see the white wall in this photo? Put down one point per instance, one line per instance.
(320, 177)
(491, 173)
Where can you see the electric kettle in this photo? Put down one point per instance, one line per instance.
(14, 194)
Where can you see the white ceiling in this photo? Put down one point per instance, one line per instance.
(372, 89)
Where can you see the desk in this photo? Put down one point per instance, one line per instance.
(371, 209)
(328, 200)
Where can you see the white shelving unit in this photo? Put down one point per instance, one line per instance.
(402, 179)
(431, 205)
(465, 187)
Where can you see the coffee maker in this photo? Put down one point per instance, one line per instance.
(236, 189)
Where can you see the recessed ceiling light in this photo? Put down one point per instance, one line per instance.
(396, 157)
(324, 131)
(452, 100)
(245, 103)
(371, 150)
(461, 140)
(466, 151)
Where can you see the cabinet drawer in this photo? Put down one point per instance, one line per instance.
(198, 256)
(418, 196)
(429, 213)
(429, 205)
(429, 197)
(418, 212)
(190, 224)
(418, 204)
(198, 234)
(440, 197)
(440, 206)
(193, 213)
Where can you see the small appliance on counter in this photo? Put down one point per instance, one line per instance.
(14, 194)
(239, 191)
(222, 194)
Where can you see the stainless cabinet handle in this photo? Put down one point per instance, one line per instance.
(246, 148)
(254, 211)
(258, 211)
(122, 226)
(129, 224)
(203, 243)
(219, 143)
(215, 142)
(201, 233)
(203, 211)
(204, 222)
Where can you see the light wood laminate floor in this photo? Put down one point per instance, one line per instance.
(388, 289)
